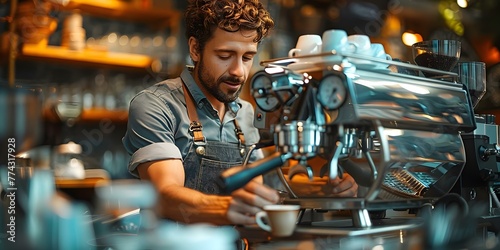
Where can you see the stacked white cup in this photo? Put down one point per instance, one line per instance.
(335, 41)
(73, 34)
(309, 44)
(378, 51)
(362, 44)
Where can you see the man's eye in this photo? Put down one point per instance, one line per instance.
(247, 58)
(224, 57)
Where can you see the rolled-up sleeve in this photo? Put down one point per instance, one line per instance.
(150, 131)
(152, 152)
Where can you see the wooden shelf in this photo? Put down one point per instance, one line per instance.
(95, 115)
(80, 183)
(91, 115)
(126, 11)
(93, 178)
(87, 57)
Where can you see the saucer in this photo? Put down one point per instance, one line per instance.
(369, 65)
(302, 67)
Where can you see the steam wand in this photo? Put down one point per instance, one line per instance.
(229, 183)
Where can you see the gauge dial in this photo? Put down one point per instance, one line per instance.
(262, 92)
(331, 92)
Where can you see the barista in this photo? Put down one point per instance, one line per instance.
(184, 132)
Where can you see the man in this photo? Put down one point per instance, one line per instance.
(184, 132)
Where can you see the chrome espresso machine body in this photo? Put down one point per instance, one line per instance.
(479, 183)
(398, 135)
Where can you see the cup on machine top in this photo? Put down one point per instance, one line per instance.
(307, 45)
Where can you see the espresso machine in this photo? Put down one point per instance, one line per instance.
(480, 179)
(401, 136)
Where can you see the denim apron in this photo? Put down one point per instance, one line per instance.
(206, 160)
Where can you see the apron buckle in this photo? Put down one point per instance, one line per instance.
(200, 150)
(195, 127)
(241, 147)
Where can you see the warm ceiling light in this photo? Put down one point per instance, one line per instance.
(463, 3)
(308, 10)
(288, 3)
(410, 38)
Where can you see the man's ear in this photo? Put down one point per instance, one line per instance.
(194, 49)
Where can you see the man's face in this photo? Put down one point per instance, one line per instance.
(225, 63)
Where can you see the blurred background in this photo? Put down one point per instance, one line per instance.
(69, 68)
(86, 59)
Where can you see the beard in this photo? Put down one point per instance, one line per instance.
(212, 85)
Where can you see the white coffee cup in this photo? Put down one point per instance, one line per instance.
(306, 45)
(280, 219)
(73, 21)
(74, 39)
(362, 44)
(378, 51)
(334, 39)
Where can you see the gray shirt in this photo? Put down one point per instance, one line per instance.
(158, 124)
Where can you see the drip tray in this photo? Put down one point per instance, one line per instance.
(344, 227)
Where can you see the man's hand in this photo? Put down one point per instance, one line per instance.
(345, 187)
(249, 200)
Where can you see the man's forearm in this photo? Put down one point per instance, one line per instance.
(190, 206)
(186, 205)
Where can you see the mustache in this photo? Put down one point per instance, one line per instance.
(231, 79)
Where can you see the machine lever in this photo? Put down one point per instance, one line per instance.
(333, 170)
(488, 175)
(332, 167)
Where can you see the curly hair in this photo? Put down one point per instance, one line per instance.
(204, 16)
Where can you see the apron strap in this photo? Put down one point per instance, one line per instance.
(195, 127)
(239, 132)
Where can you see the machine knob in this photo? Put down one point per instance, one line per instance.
(489, 175)
(487, 152)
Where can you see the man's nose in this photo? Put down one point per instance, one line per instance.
(237, 68)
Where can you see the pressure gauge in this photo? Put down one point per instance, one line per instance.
(262, 91)
(331, 91)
